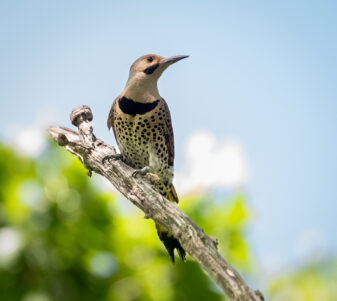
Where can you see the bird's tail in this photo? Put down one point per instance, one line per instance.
(167, 238)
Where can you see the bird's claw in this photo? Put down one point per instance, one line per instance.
(112, 157)
(145, 170)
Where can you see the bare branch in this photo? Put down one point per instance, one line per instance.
(201, 247)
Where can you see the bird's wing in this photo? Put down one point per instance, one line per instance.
(111, 118)
(169, 138)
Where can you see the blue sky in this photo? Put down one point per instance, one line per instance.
(260, 72)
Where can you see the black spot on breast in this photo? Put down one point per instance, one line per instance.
(130, 107)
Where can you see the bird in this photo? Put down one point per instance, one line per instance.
(141, 122)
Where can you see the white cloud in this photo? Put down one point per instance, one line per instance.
(311, 245)
(273, 264)
(31, 139)
(10, 243)
(212, 163)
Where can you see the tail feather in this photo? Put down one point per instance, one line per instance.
(170, 244)
(172, 195)
(167, 238)
(182, 253)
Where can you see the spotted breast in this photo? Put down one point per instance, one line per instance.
(144, 136)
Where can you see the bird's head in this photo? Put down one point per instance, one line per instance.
(144, 74)
(145, 71)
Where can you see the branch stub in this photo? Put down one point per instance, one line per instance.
(80, 114)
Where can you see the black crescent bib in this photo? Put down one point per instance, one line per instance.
(130, 107)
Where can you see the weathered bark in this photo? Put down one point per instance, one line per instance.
(201, 247)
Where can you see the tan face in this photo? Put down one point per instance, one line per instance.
(146, 66)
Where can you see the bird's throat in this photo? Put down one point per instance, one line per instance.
(141, 91)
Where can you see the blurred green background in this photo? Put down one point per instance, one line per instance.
(253, 108)
(63, 237)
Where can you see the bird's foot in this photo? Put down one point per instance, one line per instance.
(148, 174)
(145, 170)
(112, 158)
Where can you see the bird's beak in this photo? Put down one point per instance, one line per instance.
(171, 60)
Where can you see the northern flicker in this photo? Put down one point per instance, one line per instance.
(141, 122)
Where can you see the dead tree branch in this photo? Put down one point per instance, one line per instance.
(201, 247)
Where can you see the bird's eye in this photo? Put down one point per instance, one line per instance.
(150, 59)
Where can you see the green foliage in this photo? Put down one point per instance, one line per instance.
(316, 281)
(68, 240)
(225, 220)
(63, 238)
